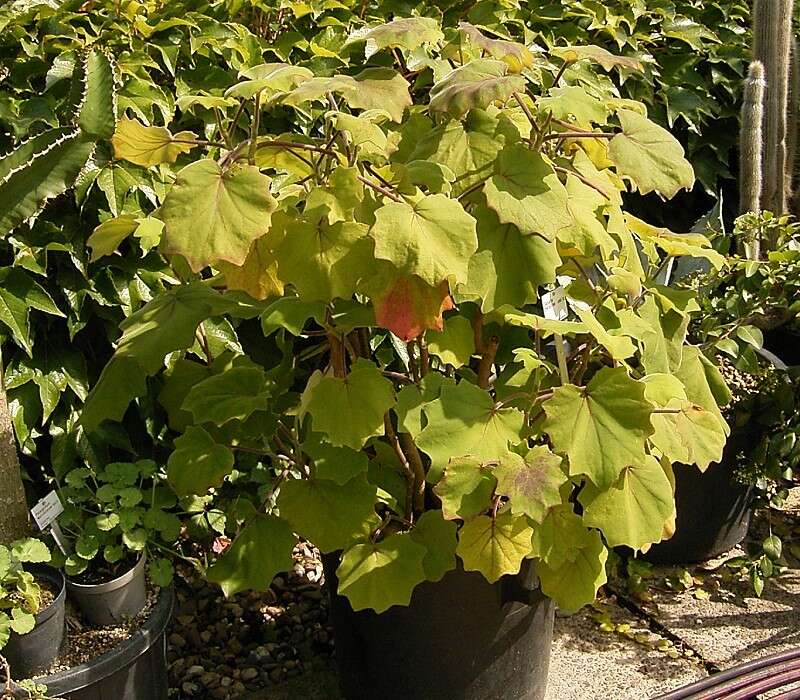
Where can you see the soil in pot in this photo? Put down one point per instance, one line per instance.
(113, 601)
(460, 639)
(34, 652)
(713, 509)
(129, 663)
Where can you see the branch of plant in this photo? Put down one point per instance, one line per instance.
(586, 181)
(561, 72)
(398, 377)
(545, 130)
(578, 135)
(413, 365)
(487, 362)
(251, 155)
(471, 189)
(378, 188)
(236, 117)
(415, 462)
(394, 442)
(424, 356)
(224, 134)
(202, 340)
(527, 112)
(338, 361)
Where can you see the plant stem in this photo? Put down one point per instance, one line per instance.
(415, 463)
(254, 129)
(579, 135)
(401, 378)
(562, 358)
(378, 188)
(391, 436)
(487, 362)
(471, 189)
(561, 72)
(586, 181)
(424, 356)
(224, 134)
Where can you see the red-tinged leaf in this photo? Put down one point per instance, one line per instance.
(220, 544)
(409, 306)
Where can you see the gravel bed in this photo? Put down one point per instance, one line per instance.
(226, 648)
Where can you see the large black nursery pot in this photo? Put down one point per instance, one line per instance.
(785, 343)
(33, 653)
(713, 509)
(462, 638)
(136, 669)
(112, 602)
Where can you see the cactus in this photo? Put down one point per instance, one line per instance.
(772, 46)
(792, 117)
(47, 165)
(751, 185)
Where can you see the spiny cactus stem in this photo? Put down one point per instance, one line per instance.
(772, 42)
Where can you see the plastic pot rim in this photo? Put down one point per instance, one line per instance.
(120, 656)
(54, 576)
(109, 586)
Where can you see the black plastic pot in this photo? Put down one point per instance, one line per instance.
(460, 639)
(135, 669)
(32, 653)
(112, 602)
(713, 510)
(785, 343)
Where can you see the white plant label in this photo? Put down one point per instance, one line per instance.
(554, 304)
(47, 510)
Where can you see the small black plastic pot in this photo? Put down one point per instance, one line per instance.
(32, 653)
(112, 602)
(135, 669)
(462, 638)
(713, 509)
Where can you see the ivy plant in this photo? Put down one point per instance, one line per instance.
(392, 228)
(20, 594)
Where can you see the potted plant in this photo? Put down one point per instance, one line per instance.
(31, 607)
(740, 307)
(462, 448)
(114, 518)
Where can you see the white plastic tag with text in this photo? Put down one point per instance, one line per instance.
(554, 304)
(47, 510)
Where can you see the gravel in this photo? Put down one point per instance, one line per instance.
(227, 648)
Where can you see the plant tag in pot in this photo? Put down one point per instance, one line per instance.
(45, 513)
(554, 304)
(47, 510)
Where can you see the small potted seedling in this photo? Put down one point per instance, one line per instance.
(31, 607)
(114, 517)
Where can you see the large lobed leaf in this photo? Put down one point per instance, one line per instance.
(213, 215)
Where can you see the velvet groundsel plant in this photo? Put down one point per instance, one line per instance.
(462, 356)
